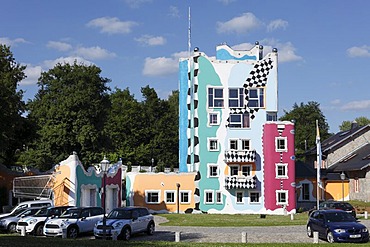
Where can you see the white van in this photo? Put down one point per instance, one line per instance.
(28, 204)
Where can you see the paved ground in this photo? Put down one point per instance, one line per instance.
(279, 234)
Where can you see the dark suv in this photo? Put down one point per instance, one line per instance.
(345, 206)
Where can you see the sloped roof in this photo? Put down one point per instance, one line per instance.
(303, 170)
(354, 161)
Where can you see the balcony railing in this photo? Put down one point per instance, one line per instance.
(240, 182)
(240, 156)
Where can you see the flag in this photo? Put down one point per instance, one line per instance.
(319, 155)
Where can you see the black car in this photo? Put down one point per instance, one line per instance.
(345, 206)
(336, 226)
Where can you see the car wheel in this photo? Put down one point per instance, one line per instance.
(309, 231)
(72, 232)
(39, 230)
(150, 229)
(12, 228)
(330, 237)
(126, 233)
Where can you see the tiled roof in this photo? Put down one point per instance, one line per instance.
(356, 160)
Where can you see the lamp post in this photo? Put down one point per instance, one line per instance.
(342, 177)
(104, 168)
(152, 164)
(178, 197)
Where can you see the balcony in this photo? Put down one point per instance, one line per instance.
(240, 156)
(240, 182)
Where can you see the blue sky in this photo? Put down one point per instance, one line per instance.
(323, 46)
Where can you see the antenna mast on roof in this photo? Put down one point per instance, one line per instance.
(189, 34)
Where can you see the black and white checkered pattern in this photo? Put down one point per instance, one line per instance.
(237, 183)
(237, 156)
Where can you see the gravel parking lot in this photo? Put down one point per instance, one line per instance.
(271, 234)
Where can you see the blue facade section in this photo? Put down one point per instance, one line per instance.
(183, 115)
(222, 54)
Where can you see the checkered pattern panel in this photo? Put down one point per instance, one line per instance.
(238, 183)
(238, 156)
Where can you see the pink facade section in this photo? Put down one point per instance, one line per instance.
(273, 156)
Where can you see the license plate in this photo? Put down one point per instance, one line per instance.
(355, 236)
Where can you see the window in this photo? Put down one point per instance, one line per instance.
(357, 185)
(214, 118)
(246, 170)
(305, 192)
(281, 170)
(169, 197)
(219, 197)
(280, 144)
(215, 97)
(234, 170)
(271, 116)
(212, 145)
(212, 170)
(184, 197)
(239, 197)
(152, 197)
(254, 197)
(208, 197)
(246, 144)
(240, 120)
(236, 97)
(281, 197)
(256, 98)
(233, 144)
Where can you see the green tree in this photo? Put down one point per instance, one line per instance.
(361, 121)
(305, 116)
(69, 111)
(13, 126)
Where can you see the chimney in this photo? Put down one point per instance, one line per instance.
(354, 124)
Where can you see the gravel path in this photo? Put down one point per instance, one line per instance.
(271, 234)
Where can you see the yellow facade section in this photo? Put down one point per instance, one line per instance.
(63, 186)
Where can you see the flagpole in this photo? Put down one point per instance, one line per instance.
(318, 161)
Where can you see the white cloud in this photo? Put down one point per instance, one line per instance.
(226, 2)
(112, 25)
(136, 3)
(11, 42)
(276, 24)
(242, 24)
(162, 66)
(243, 46)
(335, 102)
(174, 12)
(60, 46)
(94, 53)
(63, 60)
(357, 105)
(363, 51)
(33, 73)
(149, 40)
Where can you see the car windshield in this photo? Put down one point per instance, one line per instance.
(120, 214)
(339, 217)
(42, 212)
(27, 212)
(71, 213)
(18, 211)
(343, 205)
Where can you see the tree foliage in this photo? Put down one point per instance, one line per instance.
(361, 121)
(13, 126)
(305, 116)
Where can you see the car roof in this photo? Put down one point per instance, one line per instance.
(130, 208)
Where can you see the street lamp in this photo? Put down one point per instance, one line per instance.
(152, 164)
(104, 164)
(342, 177)
(178, 197)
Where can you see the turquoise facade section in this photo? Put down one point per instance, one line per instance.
(183, 115)
(223, 54)
(83, 179)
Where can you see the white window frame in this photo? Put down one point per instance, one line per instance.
(278, 202)
(233, 142)
(209, 200)
(243, 123)
(271, 116)
(217, 116)
(210, 146)
(214, 99)
(258, 197)
(230, 168)
(219, 196)
(260, 93)
(278, 148)
(166, 196)
(243, 145)
(236, 197)
(147, 192)
(239, 98)
(210, 173)
(285, 167)
(189, 196)
(356, 185)
(250, 170)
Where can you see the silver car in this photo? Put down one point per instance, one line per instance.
(9, 224)
(123, 222)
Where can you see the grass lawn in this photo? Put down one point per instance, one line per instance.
(233, 220)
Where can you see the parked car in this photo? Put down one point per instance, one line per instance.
(28, 204)
(123, 222)
(9, 224)
(73, 221)
(345, 206)
(34, 224)
(336, 226)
